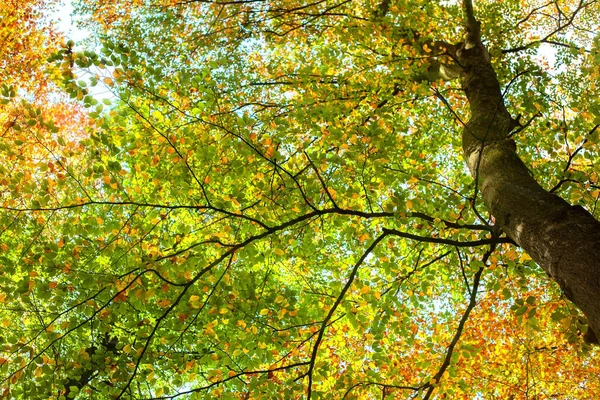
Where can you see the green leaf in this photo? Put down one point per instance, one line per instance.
(521, 310)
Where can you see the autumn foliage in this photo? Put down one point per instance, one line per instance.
(266, 199)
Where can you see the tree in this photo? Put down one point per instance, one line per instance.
(272, 203)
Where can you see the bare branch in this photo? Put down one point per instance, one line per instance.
(339, 299)
(431, 385)
(450, 242)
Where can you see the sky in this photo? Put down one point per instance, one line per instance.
(65, 22)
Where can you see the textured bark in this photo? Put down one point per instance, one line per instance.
(563, 239)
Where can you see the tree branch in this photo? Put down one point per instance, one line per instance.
(461, 325)
(339, 299)
(450, 242)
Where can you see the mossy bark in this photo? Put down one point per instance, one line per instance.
(563, 239)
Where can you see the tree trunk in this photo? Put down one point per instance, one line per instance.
(563, 239)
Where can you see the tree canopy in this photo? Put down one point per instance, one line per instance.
(337, 199)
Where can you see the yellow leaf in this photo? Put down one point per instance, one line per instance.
(279, 252)
(209, 330)
(264, 311)
(194, 298)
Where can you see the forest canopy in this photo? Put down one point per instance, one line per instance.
(334, 199)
